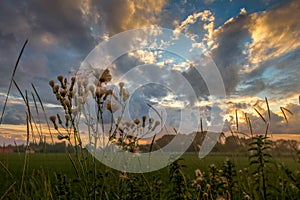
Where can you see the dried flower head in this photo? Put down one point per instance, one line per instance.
(55, 88)
(60, 78)
(125, 94)
(61, 137)
(73, 79)
(67, 103)
(144, 121)
(112, 106)
(53, 119)
(68, 117)
(151, 120)
(121, 85)
(63, 92)
(106, 76)
(51, 83)
(136, 121)
(100, 91)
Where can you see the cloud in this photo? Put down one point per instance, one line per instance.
(59, 38)
(130, 14)
(228, 55)
(274, 33)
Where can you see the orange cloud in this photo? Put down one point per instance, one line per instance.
(121, 15)
(274, 33)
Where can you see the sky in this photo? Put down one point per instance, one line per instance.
(254, 44)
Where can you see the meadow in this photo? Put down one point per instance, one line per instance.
(52, 176)
(259, 172)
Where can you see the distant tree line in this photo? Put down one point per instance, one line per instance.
(229, 144)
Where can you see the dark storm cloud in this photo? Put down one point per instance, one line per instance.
(229, 54)
(59, 38)
(14, 114)
(277, 76)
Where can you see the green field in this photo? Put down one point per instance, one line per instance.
(52, 176)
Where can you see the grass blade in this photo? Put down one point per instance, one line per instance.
(260, 115)
(42, 106)
(237, 121)
(269, 112)
(8, 189)
(7, 170)
(283, 112)
(267, 129)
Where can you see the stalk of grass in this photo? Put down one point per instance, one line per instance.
(250, 127)
(8, 189)
(201, 125)
(268, 108)
(260, 115)
(7, 170)
(160, 117)
(26, 157)
(11, 80)
(237, 120)
(267, 129)
(283, 110)
(42, 106)
(38, 129)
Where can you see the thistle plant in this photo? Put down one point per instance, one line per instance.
(179, 183)
(260, 158)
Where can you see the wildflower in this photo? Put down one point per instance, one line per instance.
(67, 103)
(112, 106)
(208, 186)
(100, 91)
(136, 121)
(73, 79)
(60, 78)
(198, 173)
(106, 76)
(59, 119)
(125, 94)
(65, 81)
(107, 93)
(55, 88)
(63, 92)
(144, 121)
(121, 85)
(68, 117)
(53, 120)
(51, 83)
(61, 137)
(155, 125)
(151, 120)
